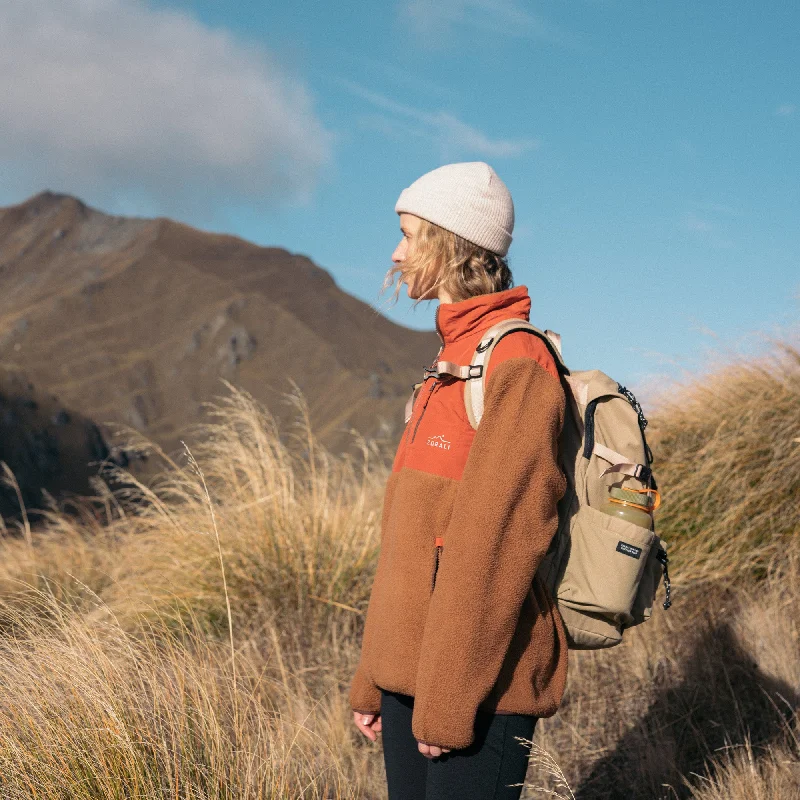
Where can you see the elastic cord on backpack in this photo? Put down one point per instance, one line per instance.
(642, 422)
(661, 555)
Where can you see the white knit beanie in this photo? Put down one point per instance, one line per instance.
(468, 199)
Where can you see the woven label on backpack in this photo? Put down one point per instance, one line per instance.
(629, 550)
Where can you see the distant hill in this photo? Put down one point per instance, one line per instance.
(136, 320)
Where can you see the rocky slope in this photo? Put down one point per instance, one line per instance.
(48, 448)
(136, 321)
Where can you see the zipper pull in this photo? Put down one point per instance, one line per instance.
(661, 555)
(439, 542)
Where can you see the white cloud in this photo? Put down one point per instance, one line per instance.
(363, 65)
(393, 128)
(655, 355)
(697, 224)
(453, 136)
(717, 208)
(704, 330)
(709, 232)
(114, 98)
(434, 20)
(785, 109)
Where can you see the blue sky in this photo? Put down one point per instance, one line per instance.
(652, 149)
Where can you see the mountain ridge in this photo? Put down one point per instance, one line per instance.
(136, 320)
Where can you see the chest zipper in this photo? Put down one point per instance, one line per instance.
(432, 368)
(425, 405)
(439, 545)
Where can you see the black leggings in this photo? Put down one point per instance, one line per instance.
(481, 771)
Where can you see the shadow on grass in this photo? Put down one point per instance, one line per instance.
(722, 700)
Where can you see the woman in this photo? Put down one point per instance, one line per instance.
(463, 648)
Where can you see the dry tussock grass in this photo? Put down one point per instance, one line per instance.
(741, 773)
(728, 453)
(89, 711)
(198, 639)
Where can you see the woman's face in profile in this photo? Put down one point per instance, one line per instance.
(405, 250)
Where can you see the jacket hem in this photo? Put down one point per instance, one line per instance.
(541, 712)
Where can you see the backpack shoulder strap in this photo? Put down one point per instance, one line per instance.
(474, 383)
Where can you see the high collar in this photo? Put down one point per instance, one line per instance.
(457, 320)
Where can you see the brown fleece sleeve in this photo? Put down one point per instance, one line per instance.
(364, 696)
(504, 516)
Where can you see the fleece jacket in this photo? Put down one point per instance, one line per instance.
(457, 616)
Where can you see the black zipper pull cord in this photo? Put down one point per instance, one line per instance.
(629, 396)
(439, 543)
(661, 555)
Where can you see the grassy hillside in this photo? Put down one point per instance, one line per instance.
(197, 640)
(728, 450)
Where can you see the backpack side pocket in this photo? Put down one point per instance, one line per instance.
(607, 561)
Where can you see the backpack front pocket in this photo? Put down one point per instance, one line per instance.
(607, 559)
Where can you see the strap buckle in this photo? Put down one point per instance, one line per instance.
(462, 373)
(643, 473)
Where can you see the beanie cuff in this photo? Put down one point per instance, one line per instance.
(484, 233)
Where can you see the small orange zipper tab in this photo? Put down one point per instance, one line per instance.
(439, 541)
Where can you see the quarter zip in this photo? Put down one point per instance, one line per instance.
(418, 400)
(436, 321)
(435, 380)
(422, 410)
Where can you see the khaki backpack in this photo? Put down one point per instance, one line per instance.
(603, 571)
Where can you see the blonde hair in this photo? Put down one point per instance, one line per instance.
(462, 268)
